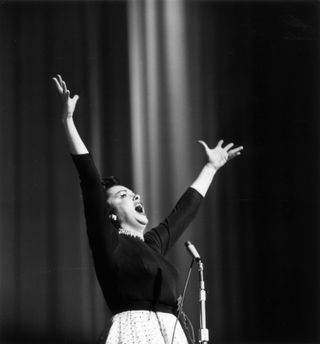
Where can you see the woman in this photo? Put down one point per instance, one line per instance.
(138, 283)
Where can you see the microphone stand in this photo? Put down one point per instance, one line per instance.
(203, 331)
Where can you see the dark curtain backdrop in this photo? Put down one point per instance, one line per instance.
(153, 78)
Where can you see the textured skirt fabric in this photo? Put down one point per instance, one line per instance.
(145, 327)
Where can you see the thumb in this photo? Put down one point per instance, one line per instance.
(205, 146)
(75, 98)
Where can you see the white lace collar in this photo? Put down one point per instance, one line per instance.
(131, 233)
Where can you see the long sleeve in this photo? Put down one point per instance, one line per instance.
(164, 236)
(102, 236)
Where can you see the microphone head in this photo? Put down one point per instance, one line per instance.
(193, 251)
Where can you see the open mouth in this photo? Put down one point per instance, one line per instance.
(139, 208)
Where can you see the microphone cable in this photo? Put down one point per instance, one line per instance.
(180, 307)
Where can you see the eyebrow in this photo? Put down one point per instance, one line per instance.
(122, 191)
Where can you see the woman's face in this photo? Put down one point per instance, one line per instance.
(127, 207)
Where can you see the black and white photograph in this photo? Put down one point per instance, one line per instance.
(159, 177)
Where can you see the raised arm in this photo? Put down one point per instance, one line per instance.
(168, 231)
(216, 158)
(75, 143)
(102, 236)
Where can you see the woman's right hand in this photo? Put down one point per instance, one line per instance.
(69, 104)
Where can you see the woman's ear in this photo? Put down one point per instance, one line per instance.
(114, 220)
(113, 217)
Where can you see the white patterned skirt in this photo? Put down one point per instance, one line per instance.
(145, 327)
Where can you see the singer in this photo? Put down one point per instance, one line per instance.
(139, 284)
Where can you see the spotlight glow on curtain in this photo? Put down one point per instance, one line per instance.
(159, 99)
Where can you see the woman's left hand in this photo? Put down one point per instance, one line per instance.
(219, 155)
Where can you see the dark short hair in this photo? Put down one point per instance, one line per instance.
(109, 182)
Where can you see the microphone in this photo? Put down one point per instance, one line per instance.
(193, 251)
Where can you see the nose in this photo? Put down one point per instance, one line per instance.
(136, 197)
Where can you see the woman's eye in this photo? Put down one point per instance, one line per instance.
(123, 195)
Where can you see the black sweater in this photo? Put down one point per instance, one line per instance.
(133, 275)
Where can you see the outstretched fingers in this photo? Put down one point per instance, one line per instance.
(61, 85)
(220, 143)
(228, 146)
(234, 152)
(64, 86)
(58, 85)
